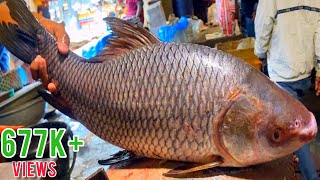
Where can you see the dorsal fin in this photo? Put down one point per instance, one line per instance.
(129, 36)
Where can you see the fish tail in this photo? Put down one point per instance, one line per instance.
(19, 35)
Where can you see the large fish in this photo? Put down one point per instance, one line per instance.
(171, 101)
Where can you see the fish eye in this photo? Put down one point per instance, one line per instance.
(277, 135)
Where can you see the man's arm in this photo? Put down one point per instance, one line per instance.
(317, 59)
(264, 20)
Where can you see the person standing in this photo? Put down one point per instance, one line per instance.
(200, 8)
(288, 41)
(248, 8)
(134, 9)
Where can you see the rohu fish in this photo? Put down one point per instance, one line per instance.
(171, 101)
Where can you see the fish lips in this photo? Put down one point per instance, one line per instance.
(309, 132)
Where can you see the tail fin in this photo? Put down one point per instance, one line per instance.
(19, 37)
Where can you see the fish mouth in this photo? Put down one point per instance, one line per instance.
(310, 131)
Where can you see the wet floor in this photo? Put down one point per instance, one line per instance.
(96, 149)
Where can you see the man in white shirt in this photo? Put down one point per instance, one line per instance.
(288, 41)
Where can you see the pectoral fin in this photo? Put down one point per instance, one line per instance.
(57, 102)
(216, 163)
(118, 157)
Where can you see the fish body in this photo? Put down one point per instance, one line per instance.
(171, 101)
(161, 106)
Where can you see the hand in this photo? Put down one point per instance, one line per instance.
(38, 66)
(58, 31)
(263, 61)
(39, 70)
(253, 16)
(317, 86)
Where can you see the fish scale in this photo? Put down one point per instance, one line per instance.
(182, 134)
(157, 129)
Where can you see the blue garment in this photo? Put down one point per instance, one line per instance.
(250, 27)
(265, 70)
(248, 7)
(306, 164)
(4, 59)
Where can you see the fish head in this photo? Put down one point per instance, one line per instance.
(261, 127)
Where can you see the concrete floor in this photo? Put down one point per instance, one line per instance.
(96, 149)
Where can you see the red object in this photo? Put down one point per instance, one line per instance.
(12, 127)
(132, 8)
(45, 3)
(32, 168)
(226, 13)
